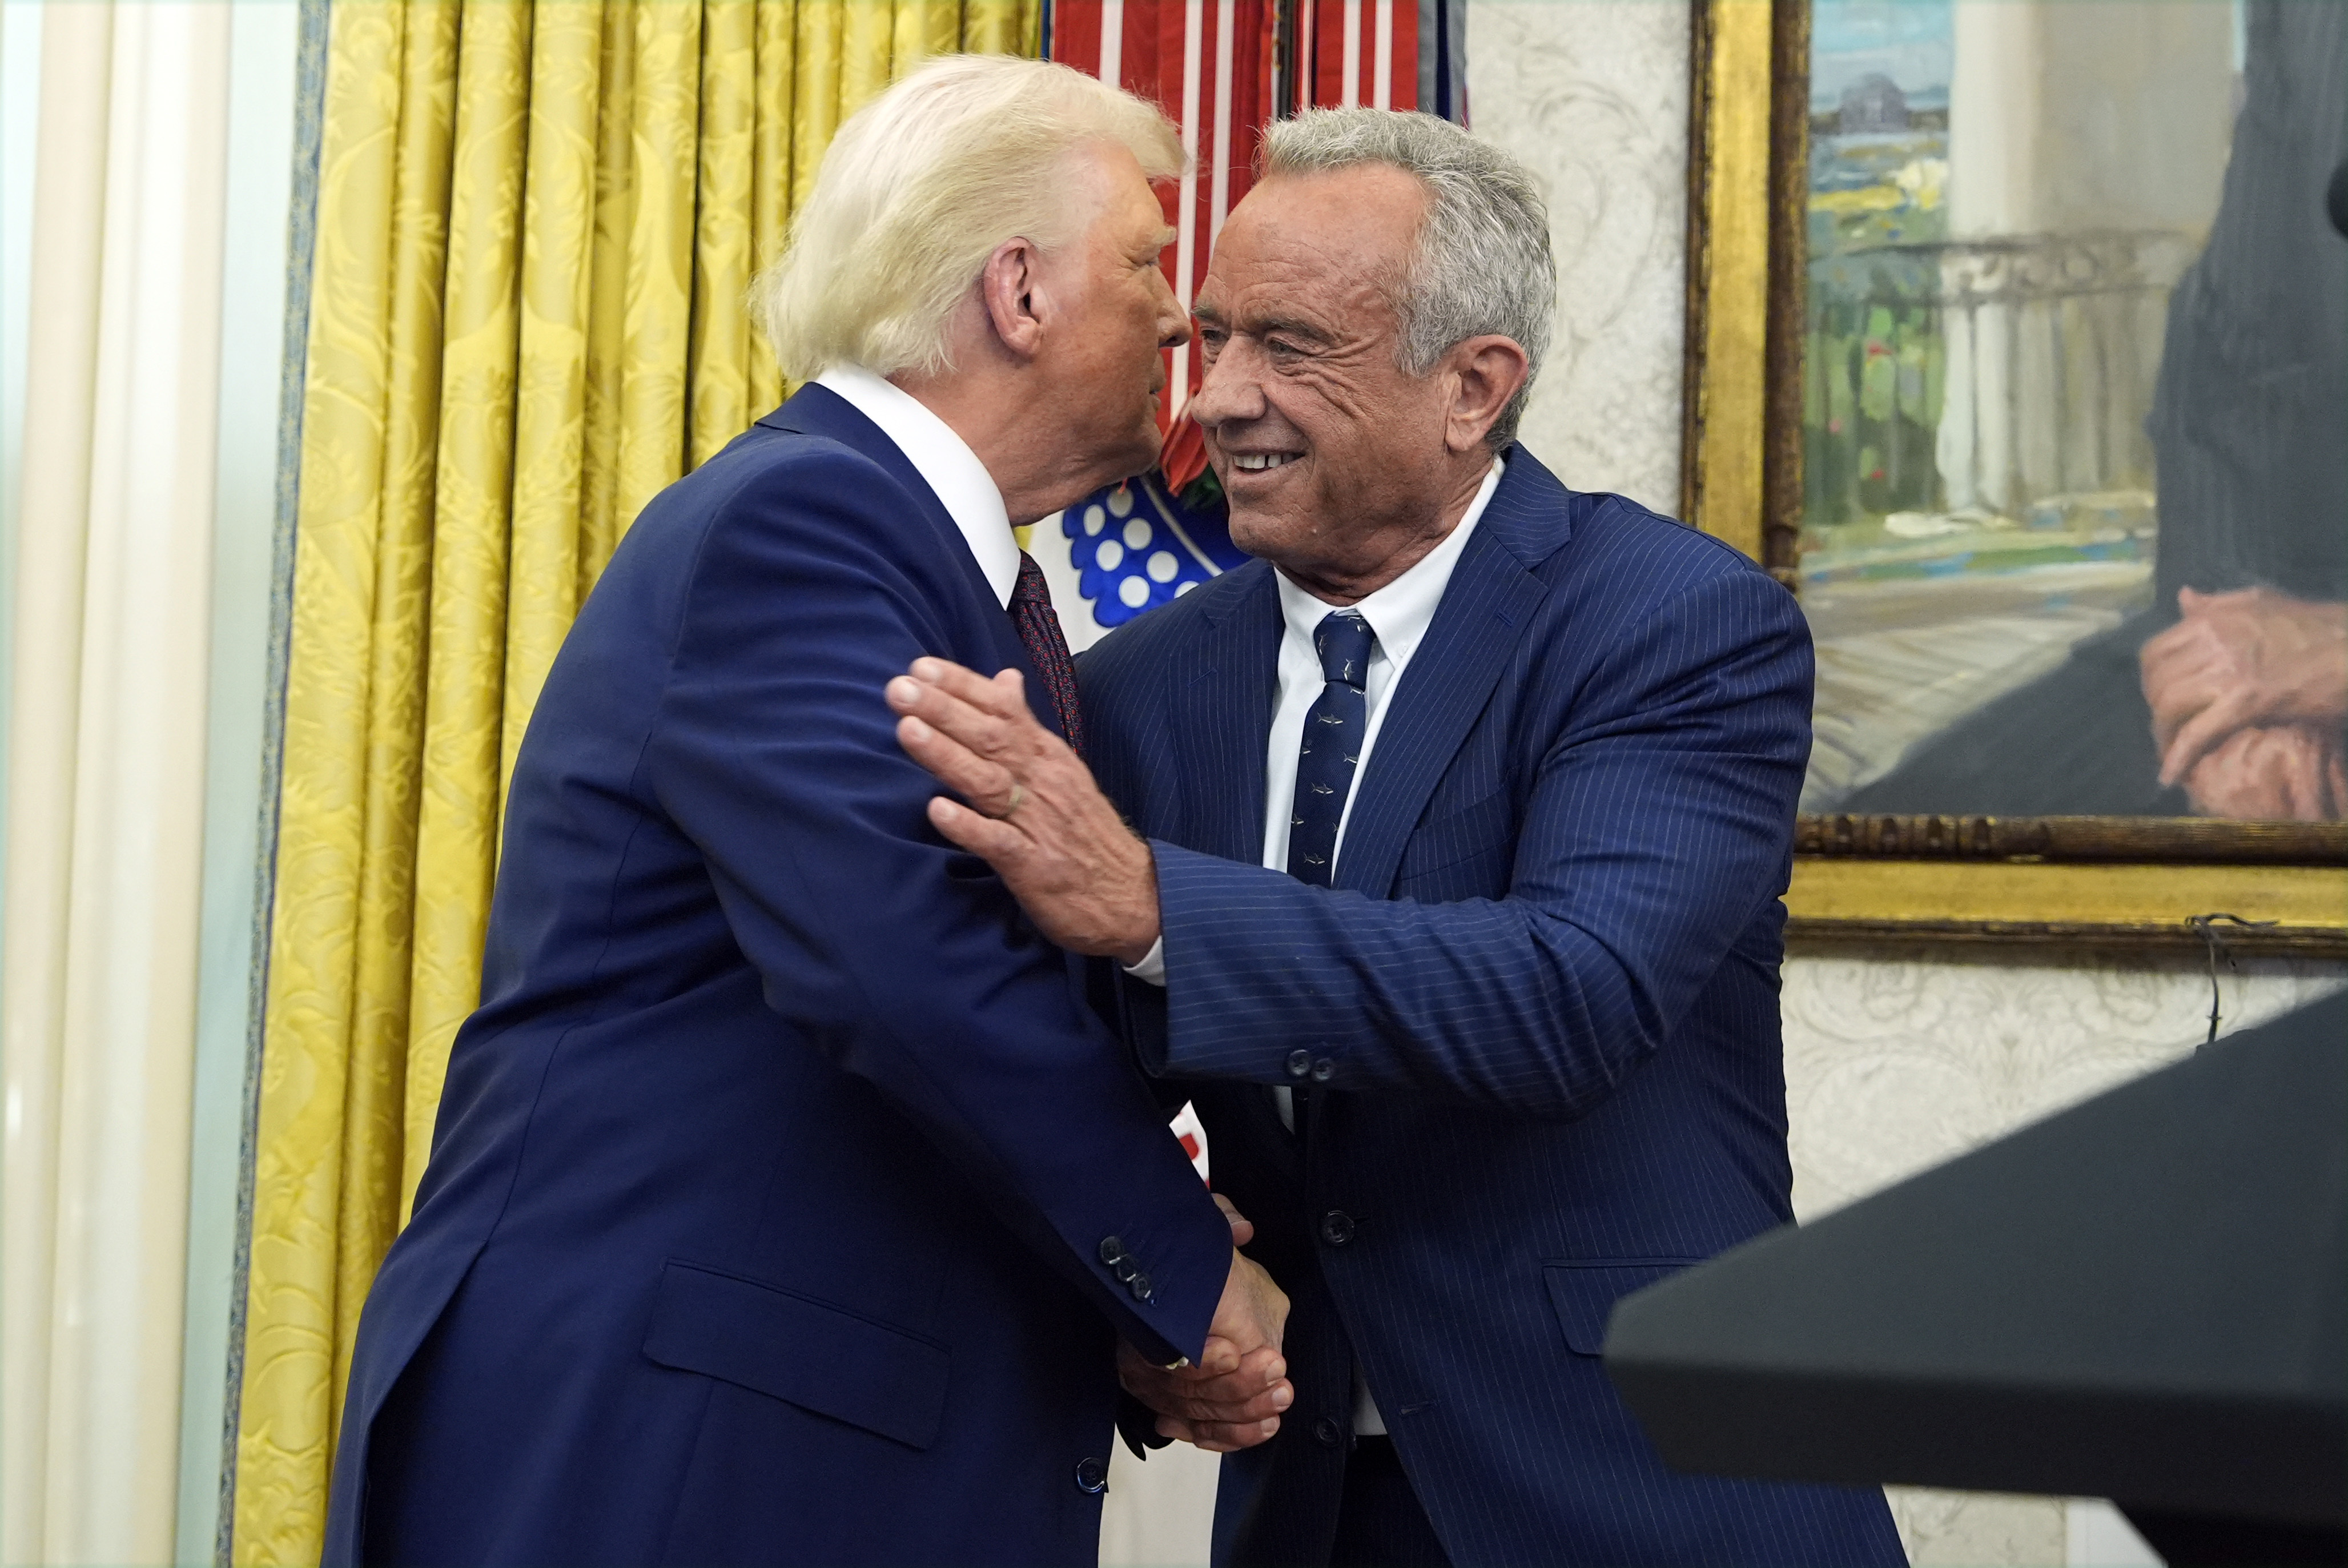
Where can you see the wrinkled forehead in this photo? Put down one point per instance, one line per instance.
(1310, 283)
(1345, 237)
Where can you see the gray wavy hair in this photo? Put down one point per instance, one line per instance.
(1483, 264)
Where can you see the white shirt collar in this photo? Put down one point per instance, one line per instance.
(946, 465)
(1399, 613)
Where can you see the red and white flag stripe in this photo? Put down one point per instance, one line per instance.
(1210, 65)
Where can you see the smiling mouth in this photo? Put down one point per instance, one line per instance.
(1256, 462)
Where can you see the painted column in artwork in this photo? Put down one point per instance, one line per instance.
(2034, 92)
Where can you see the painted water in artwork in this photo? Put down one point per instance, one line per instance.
(2074, 399)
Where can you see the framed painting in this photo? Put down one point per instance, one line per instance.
(2018, 348)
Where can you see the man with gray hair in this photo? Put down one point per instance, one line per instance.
(788, 1199)
(1467, 807)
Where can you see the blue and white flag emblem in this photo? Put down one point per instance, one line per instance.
(1129, 548)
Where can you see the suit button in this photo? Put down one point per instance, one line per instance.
(1111, 1250)
(1092, 1476)
(1324, 1071)
(1125, 1269)
(1328, 1431)
(1336, 1227)
(1299, 1063)
(1139, 1285)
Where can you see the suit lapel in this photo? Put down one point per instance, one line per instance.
(1222, 721)
(820, 412)
(1486, 608)
(1221, 716)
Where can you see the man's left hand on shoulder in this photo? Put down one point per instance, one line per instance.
(1034, 813)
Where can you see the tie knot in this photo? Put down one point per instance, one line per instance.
(1031, 588)
(1344, 641)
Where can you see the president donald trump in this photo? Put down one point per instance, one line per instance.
(787, 1201)
(1467, 807)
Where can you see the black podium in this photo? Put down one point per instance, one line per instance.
(2144, 1298)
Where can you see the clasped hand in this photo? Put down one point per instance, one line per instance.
(2248, 691)
(1232, 1397)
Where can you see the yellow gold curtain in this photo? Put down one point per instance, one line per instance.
(537, 223)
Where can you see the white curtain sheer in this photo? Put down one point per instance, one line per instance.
(106, 774)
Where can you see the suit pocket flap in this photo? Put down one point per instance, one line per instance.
(1584, 1293)
(794, 1349)
(1479, 828)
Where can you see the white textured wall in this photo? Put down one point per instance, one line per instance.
(1897, 1061)
(1594, 97)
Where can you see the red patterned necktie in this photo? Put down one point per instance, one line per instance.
(1039, 628)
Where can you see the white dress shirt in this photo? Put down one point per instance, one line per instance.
(946, 465)
(1398, 614)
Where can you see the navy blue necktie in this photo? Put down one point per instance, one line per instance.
(1332, 748)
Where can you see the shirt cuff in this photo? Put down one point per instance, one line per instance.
(1151, 968)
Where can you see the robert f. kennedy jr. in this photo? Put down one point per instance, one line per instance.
(1460, 819)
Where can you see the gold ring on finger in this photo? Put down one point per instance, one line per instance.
(1018, 797)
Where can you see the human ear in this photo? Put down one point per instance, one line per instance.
(1485, 373)
(1007, 286)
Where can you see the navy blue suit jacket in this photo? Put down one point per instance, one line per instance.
(763, 1218)
(1538, 1012)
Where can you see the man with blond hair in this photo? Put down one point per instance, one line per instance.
(787, 1200)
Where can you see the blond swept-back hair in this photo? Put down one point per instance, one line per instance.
(919, 188)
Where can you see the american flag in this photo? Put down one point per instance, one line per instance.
(1222, 69)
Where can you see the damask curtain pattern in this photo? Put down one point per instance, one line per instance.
(536, 226)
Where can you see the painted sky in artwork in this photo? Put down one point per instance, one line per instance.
(1907, 40)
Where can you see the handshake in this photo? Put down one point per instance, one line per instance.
(1090, 886)
(1232, 1398)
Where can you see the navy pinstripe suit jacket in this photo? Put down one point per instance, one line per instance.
(1545, 989)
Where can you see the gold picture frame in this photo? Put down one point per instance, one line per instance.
(2128, 883)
